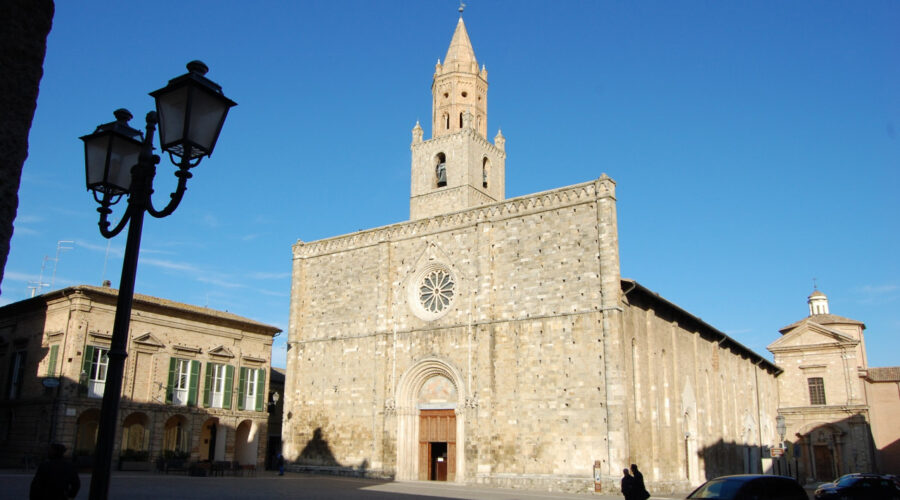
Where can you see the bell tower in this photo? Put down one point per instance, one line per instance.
(458, 168)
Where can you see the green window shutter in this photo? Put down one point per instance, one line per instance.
(208, 385)
(260, 390)
(229, 384)
(51, 366)
(86, 369)
(242, 384)
(195, 380)
(170, 389)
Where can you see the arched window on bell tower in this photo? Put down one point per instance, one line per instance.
(485, 171)
(460, 121)
(440, 170)
(446, 121)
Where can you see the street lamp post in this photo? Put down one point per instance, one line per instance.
(190, 111)
(781, 428)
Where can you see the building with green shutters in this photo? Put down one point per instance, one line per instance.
(195, 386)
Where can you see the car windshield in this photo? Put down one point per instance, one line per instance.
(718, 488)
(847, 481)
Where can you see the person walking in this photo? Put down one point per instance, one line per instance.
(56, 478)
(627, 485)
(640, 491)
(280, 463)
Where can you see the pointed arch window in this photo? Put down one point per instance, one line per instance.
(485, 171)
(446, 121)
(460, 120)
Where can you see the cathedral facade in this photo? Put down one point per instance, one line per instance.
(493, 341)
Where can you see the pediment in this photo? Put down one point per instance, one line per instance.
(810, 333)
(148, 340)
(221, 351)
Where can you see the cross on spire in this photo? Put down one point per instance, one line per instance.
(462, 6)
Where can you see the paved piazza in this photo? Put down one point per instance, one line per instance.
(269, 486)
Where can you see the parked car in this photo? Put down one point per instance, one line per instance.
(894, 478)
(859, 487)
(751, 487)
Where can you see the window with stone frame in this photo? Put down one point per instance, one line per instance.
(184, 375)
(816, 390)
(251, 383)
(218, 387)
(93, 370)
(15, 375)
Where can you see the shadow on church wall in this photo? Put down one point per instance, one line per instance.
(317, 452)
(821, 451)
(726, 458)
(825, 450)
(888, 459)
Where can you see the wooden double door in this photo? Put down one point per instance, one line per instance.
(437, 445)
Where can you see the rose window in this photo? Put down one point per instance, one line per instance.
(436, 291)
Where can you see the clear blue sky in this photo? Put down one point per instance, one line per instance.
(756, 145)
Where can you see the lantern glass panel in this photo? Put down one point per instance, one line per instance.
(109, 158)
(170, 106)
(207, 114)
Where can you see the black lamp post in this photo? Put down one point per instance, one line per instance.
(119, 161)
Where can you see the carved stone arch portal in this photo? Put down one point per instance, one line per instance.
(409, 406)
(821, 445)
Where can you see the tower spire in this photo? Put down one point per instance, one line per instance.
(460, 55)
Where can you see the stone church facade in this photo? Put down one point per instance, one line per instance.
(491, 340)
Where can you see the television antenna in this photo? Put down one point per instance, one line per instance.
(37, 286)
(61, 245)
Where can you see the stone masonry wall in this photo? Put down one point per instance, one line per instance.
(524, 333)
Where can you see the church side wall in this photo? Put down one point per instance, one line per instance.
(699, 407)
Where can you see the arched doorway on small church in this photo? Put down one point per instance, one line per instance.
(821, 449)
(430, 427)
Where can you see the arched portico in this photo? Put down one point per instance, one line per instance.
(411, 402)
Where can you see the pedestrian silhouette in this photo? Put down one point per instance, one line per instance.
(627, 485)
(640, 491)
(56, 478)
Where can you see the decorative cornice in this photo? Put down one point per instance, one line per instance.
(523, 205)
(253, 359)
(186, 348)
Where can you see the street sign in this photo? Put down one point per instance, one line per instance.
(777, 452)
